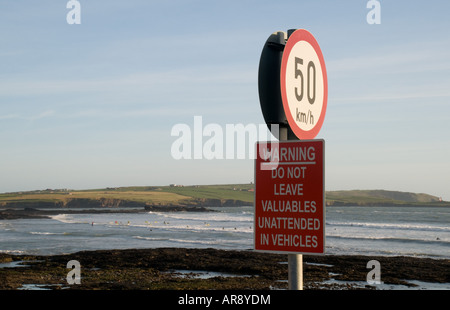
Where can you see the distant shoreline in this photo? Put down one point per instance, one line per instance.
(387, 204)
(22, 211)
(180, 198)
(32, 213)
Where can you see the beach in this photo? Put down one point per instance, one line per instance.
(215, 269)
(151, 250)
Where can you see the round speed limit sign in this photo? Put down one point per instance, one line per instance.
(303, 84)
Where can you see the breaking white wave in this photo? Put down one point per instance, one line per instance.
(46, 233)
(394, 226)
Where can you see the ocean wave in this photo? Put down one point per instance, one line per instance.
(207, 228)
(64, 218)
(190, 241)
(150, 238)
(13, 252)
(69, 219)
(175, 240)
(47, 233)
(395, 226)
(206, 217)
(392, 239)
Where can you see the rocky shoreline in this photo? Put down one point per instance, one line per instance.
(179, 268)
(45, 209)
(31, 213)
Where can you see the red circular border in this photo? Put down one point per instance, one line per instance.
(297, 36)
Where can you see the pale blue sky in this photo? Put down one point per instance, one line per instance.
(93, 105)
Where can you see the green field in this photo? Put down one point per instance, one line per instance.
(144, 194)
(242, 192)
(236, 192)
(382, 197)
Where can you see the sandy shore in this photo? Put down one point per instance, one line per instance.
(193, 269)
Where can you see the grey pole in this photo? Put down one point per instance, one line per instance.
(295, 271)
(295, 261)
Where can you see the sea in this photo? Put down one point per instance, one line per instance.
(373, 231)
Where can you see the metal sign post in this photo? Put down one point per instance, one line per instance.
(293, 91)
(295, 261)
(295, 271)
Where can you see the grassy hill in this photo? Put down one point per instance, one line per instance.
(239, 194)
(233, 194)
(380, 197)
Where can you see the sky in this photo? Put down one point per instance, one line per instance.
(93, 105)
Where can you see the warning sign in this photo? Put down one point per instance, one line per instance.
(289, 197)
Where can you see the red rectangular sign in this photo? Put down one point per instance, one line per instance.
(290, 197)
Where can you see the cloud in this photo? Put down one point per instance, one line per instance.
(423, 57)
(34, 117)
(392, 97)
(41, 115)
(175, 79)
(9, 116)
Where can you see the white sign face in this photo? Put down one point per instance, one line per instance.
(304, 86)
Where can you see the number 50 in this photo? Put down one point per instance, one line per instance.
(311, 74)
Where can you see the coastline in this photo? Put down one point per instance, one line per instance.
(27, 212)
(32, 213)
(213, 269)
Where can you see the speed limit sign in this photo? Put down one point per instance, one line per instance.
(303, 84)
